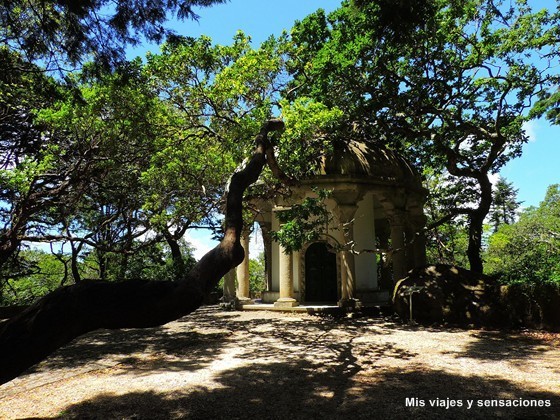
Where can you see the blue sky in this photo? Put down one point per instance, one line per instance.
(532, 173)
(257, 18)
(539, 166)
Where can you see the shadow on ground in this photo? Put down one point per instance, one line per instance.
(319, 367)
(187, 350)
(297, 390)
(496, 345)
(180, 349)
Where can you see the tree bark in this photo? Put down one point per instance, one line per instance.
(74, 262)
(176, 255)
(476, 224)
(74, 310)
(9, 243)
(475, 242)
(476, 216)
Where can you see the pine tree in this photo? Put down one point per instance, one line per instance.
(504, 204)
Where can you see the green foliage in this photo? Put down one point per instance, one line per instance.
(435, 97)
(549, 106)
(221, 91)
(123, 161)
(153, 262)
(529, 251)
(449, 84)
(26, 152)
(216, 97)
(120, 160)
(111, 125)
(140, 154)
(64, 32)
(39, 170)
(38, 273)
(504, 204)
(447, 242)
(44, 274)
(309, 135)
(303, 222)
(257, 281)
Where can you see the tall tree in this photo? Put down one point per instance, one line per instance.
(447, 233)
(82, 173)
(504, 204)
(74, 310)
(39, 170)
(45, 171)
(159, 141)
(528, 251)
(447, 83)
(62, 32)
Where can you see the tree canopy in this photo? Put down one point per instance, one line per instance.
(128, 157)
(504, 204)
(449, 84)
(144, 152)
(116, 162)
(528, 251)
(65, 33)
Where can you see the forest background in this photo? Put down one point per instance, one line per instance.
(109, 166)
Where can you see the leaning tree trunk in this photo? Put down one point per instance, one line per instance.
(74, 310)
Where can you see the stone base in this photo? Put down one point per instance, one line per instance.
(273, 296)
(350, 303)
(286, 303)
(229, 303)
(244, 301)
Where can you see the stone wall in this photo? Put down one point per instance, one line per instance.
(446, 294)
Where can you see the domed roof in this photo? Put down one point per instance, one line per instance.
(357, 159)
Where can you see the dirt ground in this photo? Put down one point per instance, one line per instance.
(214, 364)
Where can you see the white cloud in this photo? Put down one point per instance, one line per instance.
(201, 243)
(531, 128)
(494, 178)
(256, 244)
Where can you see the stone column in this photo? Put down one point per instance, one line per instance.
(397, 245)
(242, 272)
(266, 227)
(347, 269)
(347, 277)
(385, 280)
(286, 299)
(229, 289)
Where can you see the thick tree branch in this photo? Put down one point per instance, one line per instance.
(74, 310)
(276, 170)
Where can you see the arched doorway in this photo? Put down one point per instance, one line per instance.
(320, 274)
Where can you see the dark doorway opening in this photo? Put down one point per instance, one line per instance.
(320, 274)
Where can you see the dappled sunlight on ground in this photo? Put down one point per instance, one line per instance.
(215, 364)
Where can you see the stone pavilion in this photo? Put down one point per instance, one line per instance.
(374, 238)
